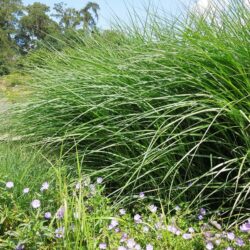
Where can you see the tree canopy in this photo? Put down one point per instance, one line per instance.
(23, 28)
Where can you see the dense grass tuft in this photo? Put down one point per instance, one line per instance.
(164, 110)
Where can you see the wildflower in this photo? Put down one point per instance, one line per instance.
(173, 230)
(137, 218)
(245, 227)
(145, 229)
(229, 248)
(117, 229)
(60, 212)
(209, 246)
(113, 224)
(191, 230)
(152, 208)
(149, 247)
(230, 236)
(208, 234)
(35, 203)
(131, 243)
(92, 188)
(45, 186)
(9, 184)
(78, 185)
(59, 232)
(187, 236)
(137, 247)
(47, 215)
(102, 246)
(20, 247)
(124, 237)
(122, 211)
(141, 195)
(217, 242)
(200, 217)
(99, 180)
(239, 242)
(122, 248)
(177, 208)
(203, 211)
(26, 190)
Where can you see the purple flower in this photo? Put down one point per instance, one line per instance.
(203, 211)
(45, 186)
(124, 237)
(200, 217)
(239, 242)
(208, 234)
(177, 208)
(9, 184)
(137, 218)
(122, 248)
(137, 247)
(149, 247)
(209, 246)
(229, 248)
(187, 236)
(99, 180)
(141, 195)
(26, 190)
(102, 246)
(131, 243)
(230, 236)
(47, 215)
(60, 212)
(113, 224)
(173, 230)
(35, 204)
(191, 230)
(122, 211)
(20, 247)
(152, 208)
(217, 242)
(245, 227)
(59, 232)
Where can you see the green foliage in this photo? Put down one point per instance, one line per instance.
(80, 215)
(164, 110)
(25, 28)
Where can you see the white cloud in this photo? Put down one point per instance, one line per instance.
(247, 3)
(204, 6)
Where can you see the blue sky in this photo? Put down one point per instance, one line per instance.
(111, 8)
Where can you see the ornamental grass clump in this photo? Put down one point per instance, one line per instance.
(162, 109)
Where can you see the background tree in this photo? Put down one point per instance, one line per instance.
(35, 26)
(10, 11)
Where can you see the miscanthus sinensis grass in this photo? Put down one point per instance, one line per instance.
(162, 110)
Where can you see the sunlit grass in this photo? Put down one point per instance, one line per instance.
(165, 111)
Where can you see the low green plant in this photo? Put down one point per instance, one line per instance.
(44, 206)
